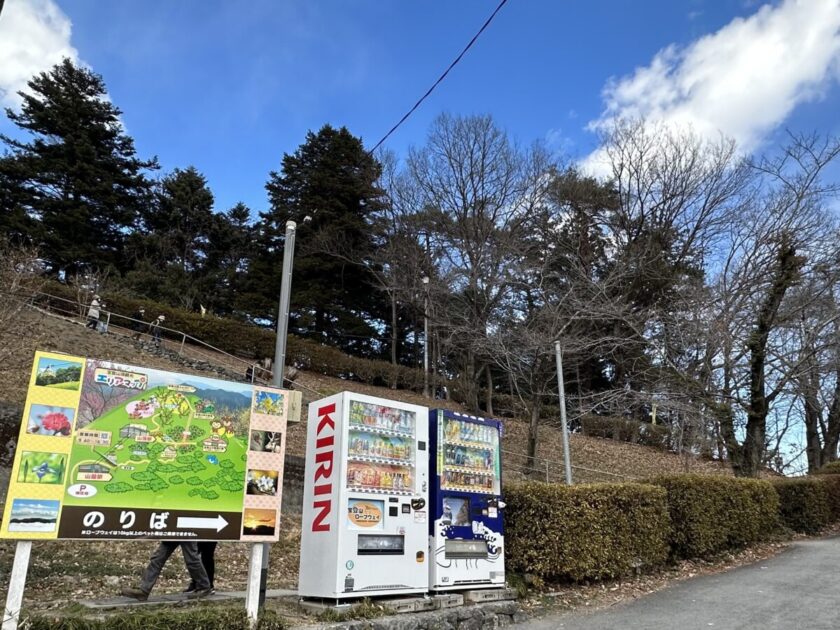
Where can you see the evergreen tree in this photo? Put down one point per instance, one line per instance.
(79, 176)
(328, 186)
(172, 254)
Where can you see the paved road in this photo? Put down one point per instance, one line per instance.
(798, 589)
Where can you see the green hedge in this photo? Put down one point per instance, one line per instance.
(710, 514)
(804, 503)
(831, 468)
(247, 340)
(832, 487)
(585, 532)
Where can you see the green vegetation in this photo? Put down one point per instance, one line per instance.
(201, 619)
(804, 504)
(711, 514)
(585, 532)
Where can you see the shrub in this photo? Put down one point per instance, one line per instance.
(831, 468)
(803, 504)
(832, 488)
(710, 514)
(585, 532)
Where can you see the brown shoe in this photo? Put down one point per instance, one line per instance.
(135, 593)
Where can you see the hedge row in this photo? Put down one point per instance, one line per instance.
(805, 504)
(710, 514)
(585, 532)
(253, 342)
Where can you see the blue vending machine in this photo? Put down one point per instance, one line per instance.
(466, 535)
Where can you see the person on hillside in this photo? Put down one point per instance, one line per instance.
(93, 313)
(192, 559)
(138, 324)
(155, 331)
(208, 561)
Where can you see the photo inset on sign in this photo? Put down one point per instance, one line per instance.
(456, 511)
(266, 441)
(45, 468)
(33, 515)
(47, 420)
(262, 482)
(58, 374)
(258, 522)
(269, 403)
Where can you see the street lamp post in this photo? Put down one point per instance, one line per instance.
(426, 336)
(567, 464)
(258, 566)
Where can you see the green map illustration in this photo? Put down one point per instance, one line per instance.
(180, 444)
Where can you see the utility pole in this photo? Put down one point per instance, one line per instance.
(426, 336)
(258, 568)
(560, 386)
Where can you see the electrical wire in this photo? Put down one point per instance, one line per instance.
(441, 78)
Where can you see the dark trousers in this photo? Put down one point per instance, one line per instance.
(191, 558)
(207, 550)
(92, 322)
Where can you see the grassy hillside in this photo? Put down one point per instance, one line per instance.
(595, 459)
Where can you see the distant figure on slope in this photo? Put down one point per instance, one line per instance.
(93, 313)
(138, 324)
(154, 329)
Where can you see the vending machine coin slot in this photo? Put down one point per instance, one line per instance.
(406, 508)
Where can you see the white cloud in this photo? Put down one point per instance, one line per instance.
(34, 36)
(744, 80)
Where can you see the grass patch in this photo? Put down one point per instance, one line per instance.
(202, 619)
(365, 609)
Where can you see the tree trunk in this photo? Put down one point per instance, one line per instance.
(489, 391)
(753, 449)
(394, 339)
(533, 437)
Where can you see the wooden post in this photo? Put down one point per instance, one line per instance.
(17, 582)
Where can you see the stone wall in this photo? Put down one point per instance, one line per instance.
(293, 475)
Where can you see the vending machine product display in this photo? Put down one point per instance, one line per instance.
(466, 537)
(365, 511)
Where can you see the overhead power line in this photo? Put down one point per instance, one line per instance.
(441, 77)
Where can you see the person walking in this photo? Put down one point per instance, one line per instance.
(154, 329)
(207, 550)
(192, 559)
(93, 313)
(138, 324)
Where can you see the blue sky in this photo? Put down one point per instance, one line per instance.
(230, 86)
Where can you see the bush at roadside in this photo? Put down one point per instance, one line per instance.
(588, 532)
(711, 514)
(804, 503)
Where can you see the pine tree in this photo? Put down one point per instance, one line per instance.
(328, 186)
(78, 176)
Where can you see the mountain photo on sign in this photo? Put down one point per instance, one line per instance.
(58, 374)
(33, 515)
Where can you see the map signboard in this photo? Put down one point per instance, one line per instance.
(112, 451)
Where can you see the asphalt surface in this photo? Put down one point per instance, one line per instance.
(799, 588)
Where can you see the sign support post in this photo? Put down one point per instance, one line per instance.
(260, 552)
(17, 582)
